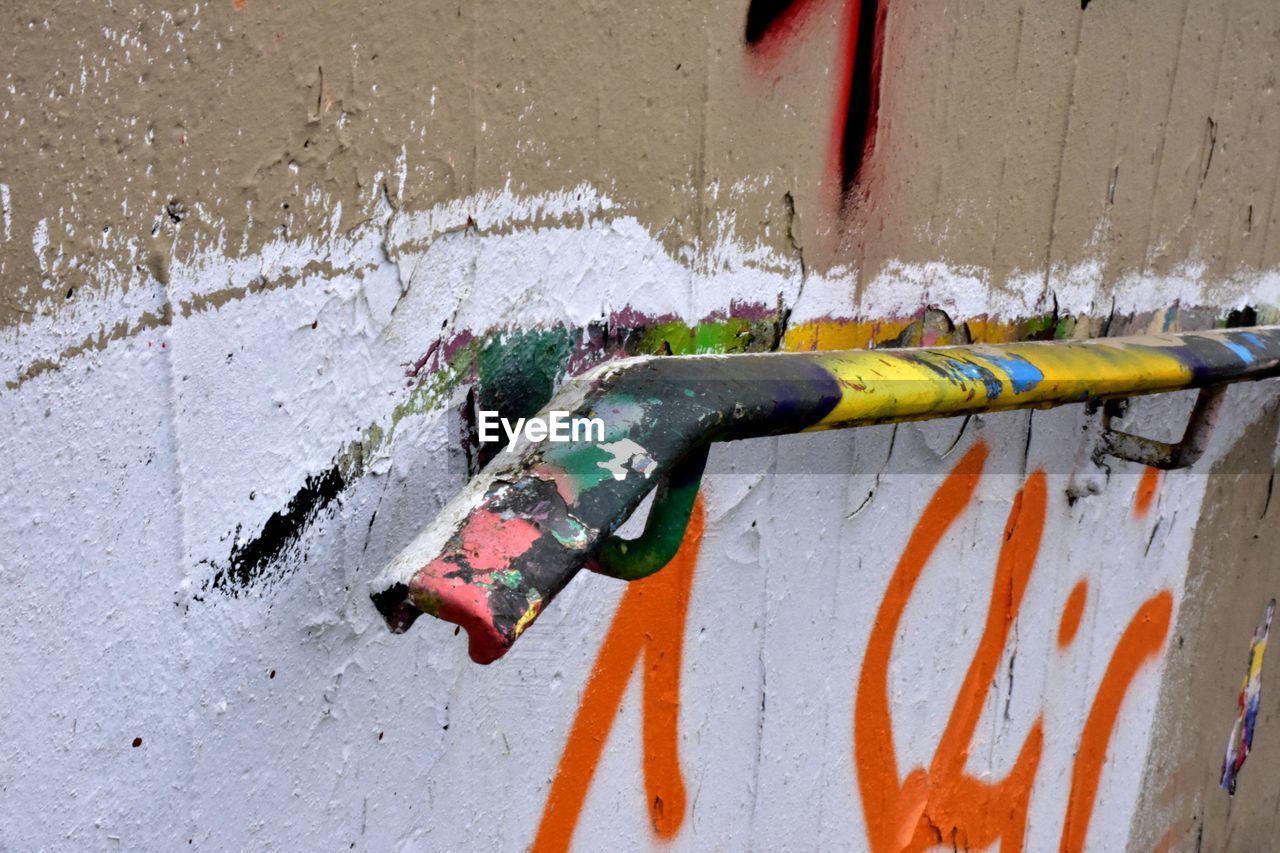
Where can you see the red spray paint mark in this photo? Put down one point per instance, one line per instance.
(648, 627)
(772, 23)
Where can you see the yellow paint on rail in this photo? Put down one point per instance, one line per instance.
(891, 385)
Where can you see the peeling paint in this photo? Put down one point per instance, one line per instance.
(1241, 738)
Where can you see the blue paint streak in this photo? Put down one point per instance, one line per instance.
(1242, 352)
(977, 373)
(1022, 374)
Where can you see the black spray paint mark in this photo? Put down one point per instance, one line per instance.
(762, 15)
(251, 562)
(770, 18)
(864, 93)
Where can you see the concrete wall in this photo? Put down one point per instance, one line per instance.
(255, 255)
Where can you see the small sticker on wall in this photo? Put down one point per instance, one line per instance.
(1241, 738)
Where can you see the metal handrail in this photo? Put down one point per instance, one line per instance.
(524, 526)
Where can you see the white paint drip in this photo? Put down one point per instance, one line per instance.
(40, 238)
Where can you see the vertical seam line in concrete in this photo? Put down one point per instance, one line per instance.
(700, 167)
(1004, 156)
(1168, 113)
(1062, 156)
(1271, 203)
(944, 83)
(1275, 189)
(766, 610)
(474, 52)
(169, 329)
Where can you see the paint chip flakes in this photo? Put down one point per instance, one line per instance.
(626, 454)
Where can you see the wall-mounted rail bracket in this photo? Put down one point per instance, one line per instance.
(1161, 454)
(673, 499)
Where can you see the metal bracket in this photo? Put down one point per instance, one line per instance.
(1161, 454)
(633, 559)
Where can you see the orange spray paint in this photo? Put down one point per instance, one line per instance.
(1141, 642)
(944, 804)
(648, 627)
(1072, 612)
(1146, 492)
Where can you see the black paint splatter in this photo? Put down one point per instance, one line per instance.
(251, 561)
(513, 372)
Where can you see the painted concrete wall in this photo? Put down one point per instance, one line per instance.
(257, 259)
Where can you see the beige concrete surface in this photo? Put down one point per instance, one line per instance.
(1015, 138)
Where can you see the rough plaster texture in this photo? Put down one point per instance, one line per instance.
(236, 237)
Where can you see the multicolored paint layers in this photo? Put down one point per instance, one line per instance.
(511, 540)
(1241, 738)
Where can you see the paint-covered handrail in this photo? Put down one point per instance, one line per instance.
(541, 511)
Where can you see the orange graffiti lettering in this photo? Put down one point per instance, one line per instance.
(648, 625)
(1141, 642)
(944, 804)
(940, 804)
(1071, 614)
